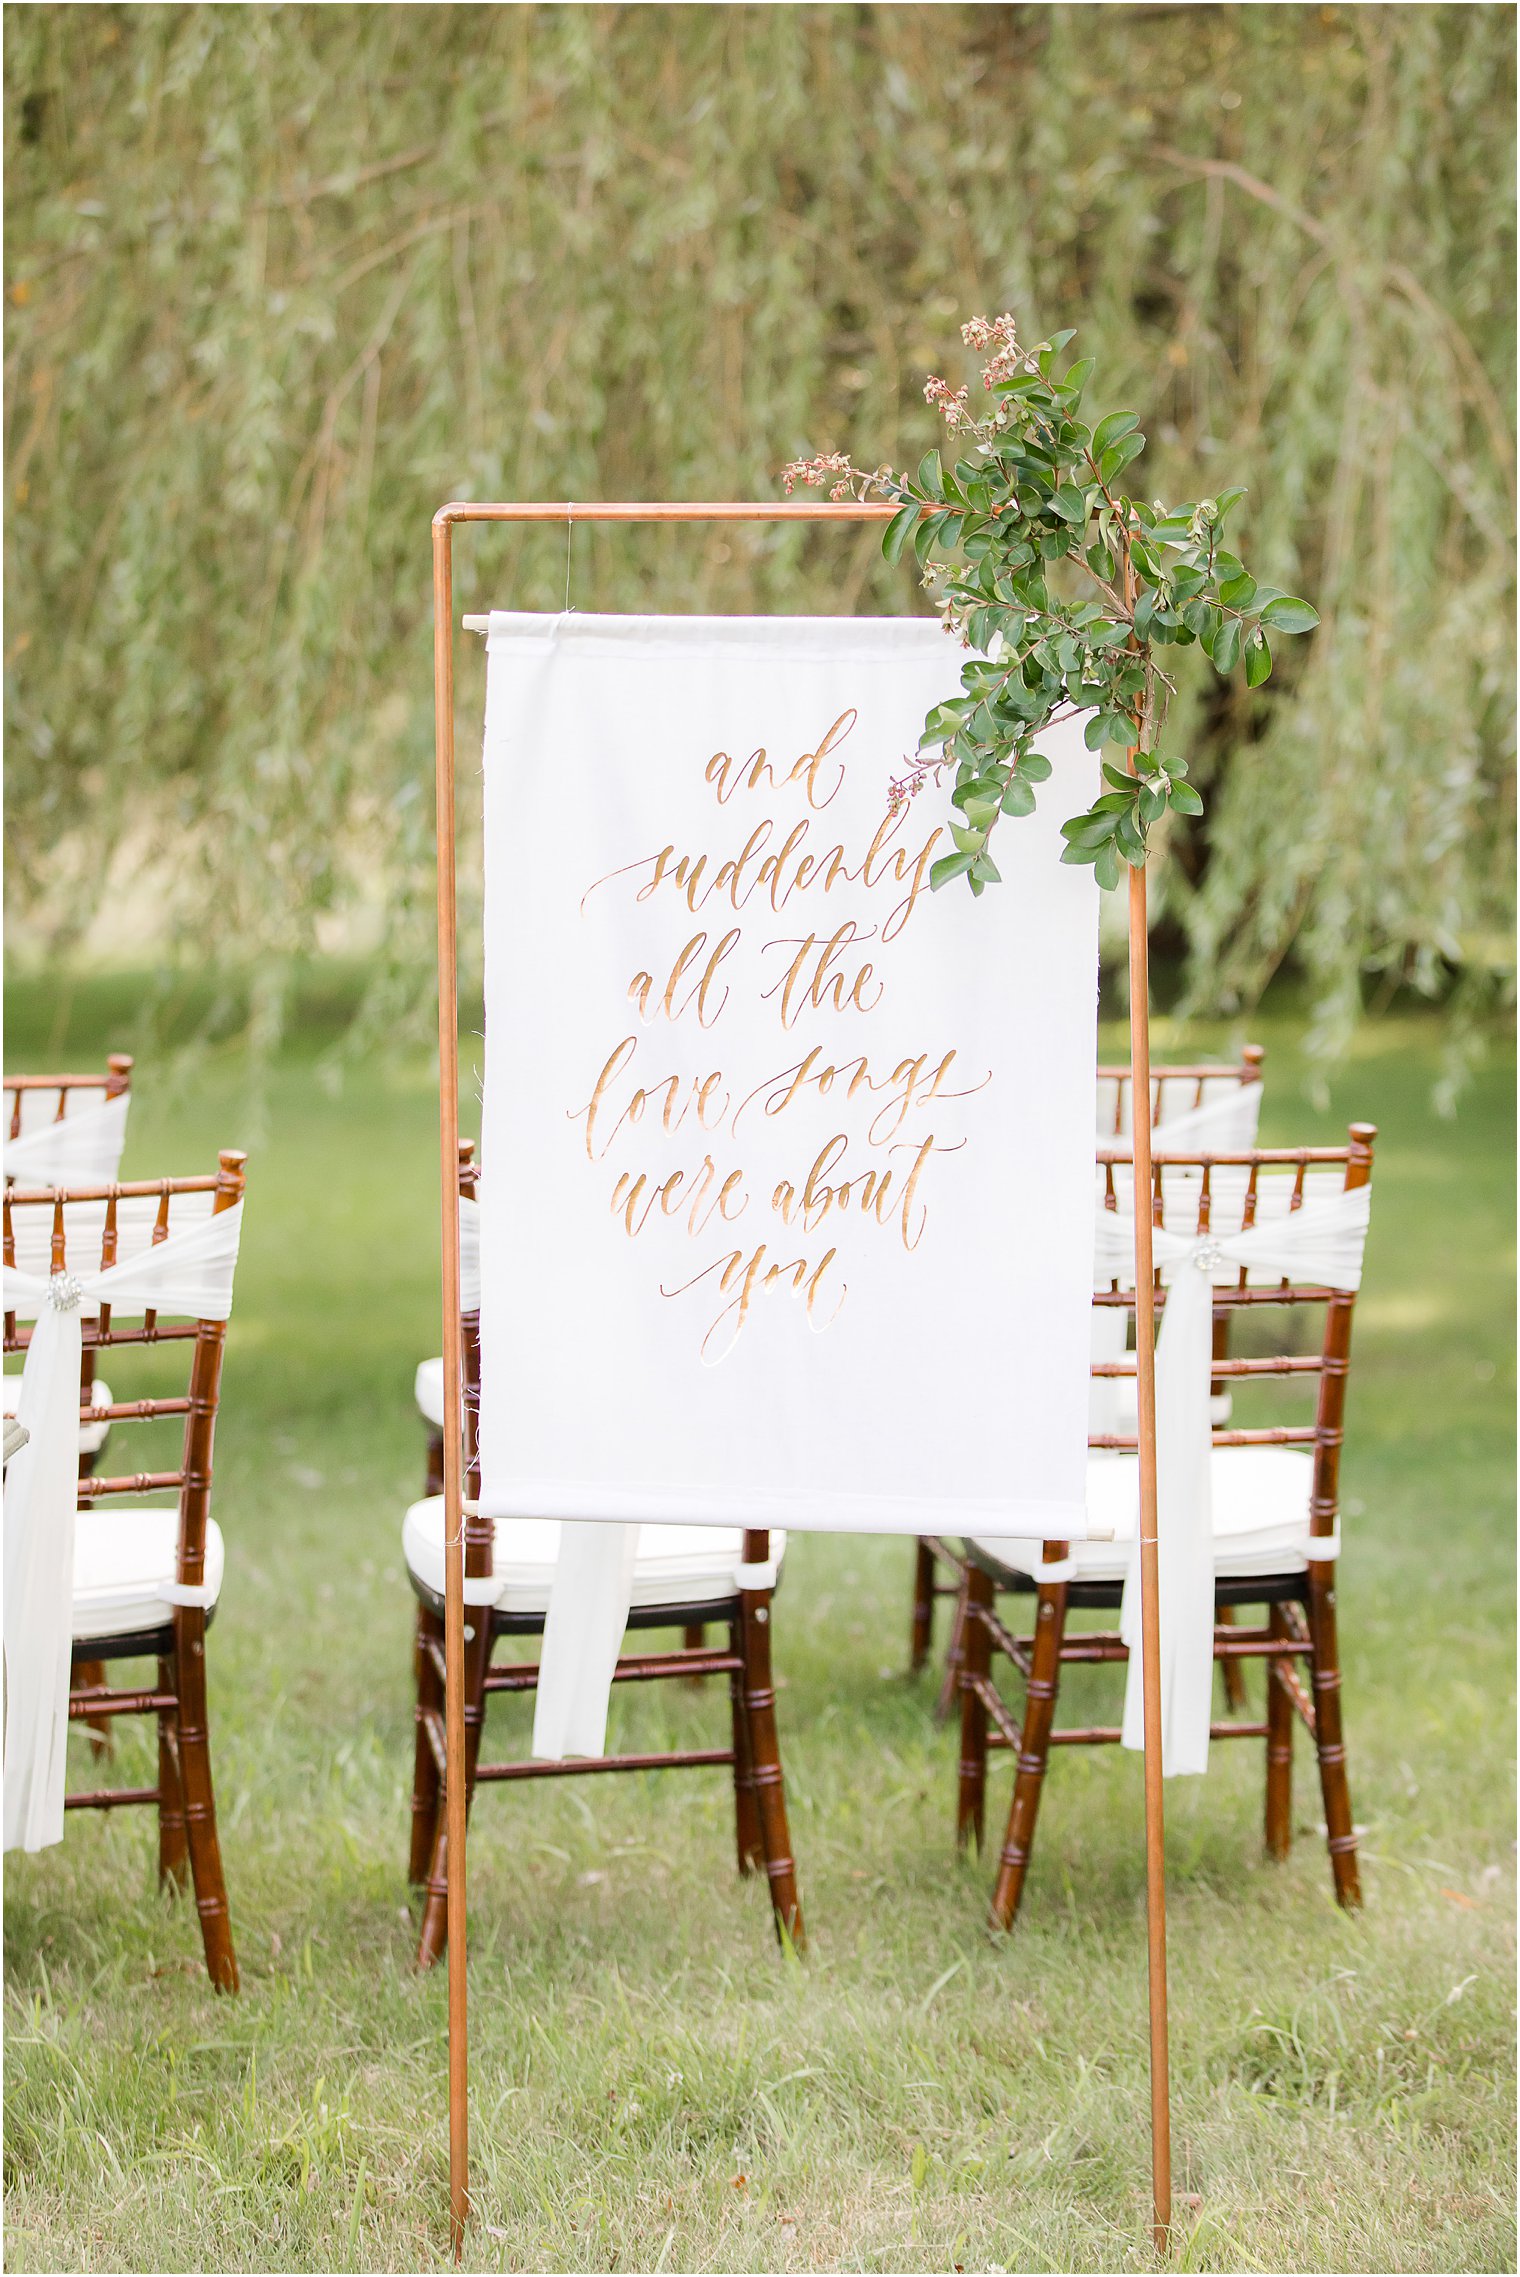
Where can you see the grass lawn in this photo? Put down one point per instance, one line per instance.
(655, 2087)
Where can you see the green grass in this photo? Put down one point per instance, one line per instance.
(654, 2087)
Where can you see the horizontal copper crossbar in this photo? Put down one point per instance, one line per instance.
(1294, 1364)
(110, 1798)
(730, 510)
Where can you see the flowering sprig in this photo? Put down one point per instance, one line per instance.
(1064, 588)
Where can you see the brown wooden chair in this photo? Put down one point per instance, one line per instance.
(692, 1578)
(133, 1564)
(33, 1103)
(1274, 1486)
(37, 1104)
(1182, 1095)
(1183, 1092)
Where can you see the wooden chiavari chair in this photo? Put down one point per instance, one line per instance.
(1205, 1104)
(134, 1566)
(34, 1102)
(38, 1104)
(686, 1577)
(1274, 1488)
(1185, 1095)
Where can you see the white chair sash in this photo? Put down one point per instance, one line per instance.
(189, 1274)
(469, 1254)
(1321, 1245)
(588, 1612)
(1223, 1121)
(82, 1147)
(589, 1600)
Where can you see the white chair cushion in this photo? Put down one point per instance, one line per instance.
(429, 1391)
(1261, 1515)
(677, 1565)
(123, 1560)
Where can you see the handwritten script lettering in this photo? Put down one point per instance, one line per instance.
(860, 1130)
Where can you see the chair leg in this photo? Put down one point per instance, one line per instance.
(1039, 1713)
(424, 1769)
(921, 1635)
(751, 1846)
(1329, 1739)
(765, 1760)
(950, 1682)
(173, 1848)
(1233, 1672)
(1279, 1811)
(194, 1750)
(432, 1477)
(434, 1934)
(975, 1661)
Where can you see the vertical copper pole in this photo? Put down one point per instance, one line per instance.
(453, 1390)
(1150, 1612)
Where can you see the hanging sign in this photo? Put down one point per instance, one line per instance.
(786, 1205)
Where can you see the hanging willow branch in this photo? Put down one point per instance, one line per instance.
(282, 280)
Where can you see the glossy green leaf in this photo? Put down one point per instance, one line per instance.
(947, 867)
(897, 533)
(1109, 430)
(1290, 615)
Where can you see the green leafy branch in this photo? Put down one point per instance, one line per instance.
(1067, 592)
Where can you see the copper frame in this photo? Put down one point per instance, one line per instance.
(445, 521)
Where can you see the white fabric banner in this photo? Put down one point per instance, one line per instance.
(786, 1205)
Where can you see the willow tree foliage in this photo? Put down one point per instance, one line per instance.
(280, 281)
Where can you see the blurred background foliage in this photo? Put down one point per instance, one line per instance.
(281, 281)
